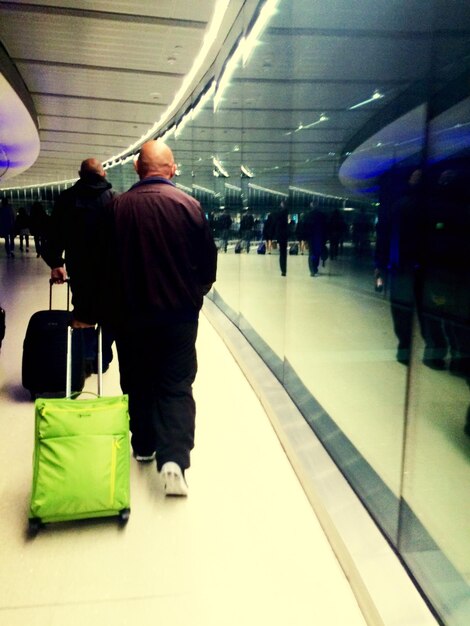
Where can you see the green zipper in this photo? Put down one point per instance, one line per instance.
(114, 449)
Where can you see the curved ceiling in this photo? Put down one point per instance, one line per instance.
(101, 75)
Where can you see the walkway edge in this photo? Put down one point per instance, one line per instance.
(383, 589)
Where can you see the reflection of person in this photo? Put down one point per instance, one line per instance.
(39, 223)
(445, 293)
(22, 228)
(397, 257)
(282, 237)
(269, 228)
(72, 234)
(420, 279)
(160, 261)
(301, 233)
(315, 233)
(224, 224)
(247, 223)
(7, 226)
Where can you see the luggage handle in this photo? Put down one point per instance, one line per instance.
(68, 383)
(53, 282)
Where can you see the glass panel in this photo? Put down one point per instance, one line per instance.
(435, 519)
(226, 161)
(349, 83)
(264, 182)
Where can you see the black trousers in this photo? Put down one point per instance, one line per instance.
(158, 366)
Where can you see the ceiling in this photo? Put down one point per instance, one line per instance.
(100, 76)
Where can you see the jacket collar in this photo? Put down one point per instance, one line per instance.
(152, 180)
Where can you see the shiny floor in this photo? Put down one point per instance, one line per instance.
(244, 548)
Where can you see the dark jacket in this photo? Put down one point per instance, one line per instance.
(72, 237)
(161, 256)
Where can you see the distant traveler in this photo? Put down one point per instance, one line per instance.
(71, 238)
(22, 228)
(157, 261)
(7, 226)
(38, 225)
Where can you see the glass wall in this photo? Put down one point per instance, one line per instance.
(332, 160)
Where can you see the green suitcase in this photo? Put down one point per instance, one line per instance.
(81, 461)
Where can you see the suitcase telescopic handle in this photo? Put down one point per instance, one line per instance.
(68, 383)
(52, 282)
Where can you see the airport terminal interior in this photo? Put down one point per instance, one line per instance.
(328, 144)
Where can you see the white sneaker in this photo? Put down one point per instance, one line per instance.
(173, 480)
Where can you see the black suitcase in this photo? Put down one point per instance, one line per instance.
(2, 325)
(45, 353)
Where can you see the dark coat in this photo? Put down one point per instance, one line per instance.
(161, 256)
(72, 236)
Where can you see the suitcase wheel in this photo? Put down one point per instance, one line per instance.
(124, 516)
(34, 526)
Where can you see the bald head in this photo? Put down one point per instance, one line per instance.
(91, 166)
(155, 159)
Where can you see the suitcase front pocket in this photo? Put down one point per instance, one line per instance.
(81, 476)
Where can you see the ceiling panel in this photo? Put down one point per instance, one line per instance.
(198, 10)
(102, 43)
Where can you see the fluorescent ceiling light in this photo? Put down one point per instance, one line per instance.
(219, 168)
(230, 68)
(246, 172)
(244, 48)
(211, 35)
(322, 118)
(375, 96)
(272, 191)
(252, 39)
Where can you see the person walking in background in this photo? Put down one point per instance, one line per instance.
(282, 237)
(7, 226)
(269, 228)
(224, 224)
(38, 225)
(155, 262)
(247, 223)
(316, 234)
(22, 228)
(72, 234)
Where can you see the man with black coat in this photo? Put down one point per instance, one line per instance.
(72, 237)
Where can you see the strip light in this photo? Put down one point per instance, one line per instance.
(211, 35)
(377, 95)
(252, 39)
(230, 68)
(271, 191)
(245, 47)
(322, 118)
(219, 168)
(193, 113)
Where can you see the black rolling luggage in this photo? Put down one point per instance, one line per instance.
(45, 353)
(2, 325)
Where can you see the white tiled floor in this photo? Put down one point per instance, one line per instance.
(244, 548)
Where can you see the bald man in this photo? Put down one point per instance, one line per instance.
(161, 262)
(67, 250)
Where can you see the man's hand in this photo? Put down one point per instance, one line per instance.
(78, 324)
(58, 275)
